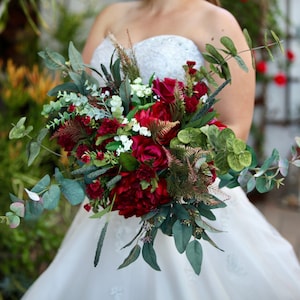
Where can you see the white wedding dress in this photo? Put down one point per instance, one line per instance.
(257, 263)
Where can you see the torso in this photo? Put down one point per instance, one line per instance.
(189, 20)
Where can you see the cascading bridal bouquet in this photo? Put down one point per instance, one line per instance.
(146, 150)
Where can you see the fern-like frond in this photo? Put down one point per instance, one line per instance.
(162, 130)
(71, 129)
(128, 59)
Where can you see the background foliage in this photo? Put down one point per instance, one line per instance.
(25, 252)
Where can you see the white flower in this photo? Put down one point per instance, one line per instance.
(204, 98)
(144, 131)
(126, 143)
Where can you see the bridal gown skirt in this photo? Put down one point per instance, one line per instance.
(257, 263)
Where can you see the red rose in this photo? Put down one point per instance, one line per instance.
(165, 89)
(132, 200)
(158, 111)
(148, 152)
(191, 104)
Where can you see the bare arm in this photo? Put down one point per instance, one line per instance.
(236, 103)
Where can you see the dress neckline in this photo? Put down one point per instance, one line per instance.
(151, 38)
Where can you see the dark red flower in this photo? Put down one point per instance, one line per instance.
(81, 149)
(200, 89)
(87, 207)
(146, 151)
(86, 120)
(94, 190)
(108, 126)
(145, 172)
(132, 200)
(100, 155)
(72, 108)
(280, 79)
(191, 104)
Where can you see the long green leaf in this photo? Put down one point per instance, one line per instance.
(149, 256)
(133, 255)
(182, 234)
(194, 255)
(100, 244)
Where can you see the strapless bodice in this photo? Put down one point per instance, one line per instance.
(163, 55)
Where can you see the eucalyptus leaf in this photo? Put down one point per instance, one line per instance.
(33, 150)
(19, 130)
(13, 220)
(51, 197)
(182, 234)
(100, 244)
(202, 224)
(133, 255)
(149, 256)
(18, 208)
(194, 254)
(75, 58)
(72, 190)
(42, 184)
(283, 165)
(68, 87)
(53, 60)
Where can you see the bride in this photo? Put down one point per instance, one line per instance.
(257, 263)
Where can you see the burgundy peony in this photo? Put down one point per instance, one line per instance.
(132, 200)
(146, 151)
(108, 126)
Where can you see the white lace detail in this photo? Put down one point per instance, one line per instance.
(116, 292)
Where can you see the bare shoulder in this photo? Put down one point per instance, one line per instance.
(214, 22)
(109, 14)
(103, 24)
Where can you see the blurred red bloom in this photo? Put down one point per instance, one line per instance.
(261, 67)
(290, 55)
(280, 79)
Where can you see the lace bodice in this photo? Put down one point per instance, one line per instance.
(163, 55)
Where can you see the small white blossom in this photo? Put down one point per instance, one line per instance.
(204, 98)
(144, 131)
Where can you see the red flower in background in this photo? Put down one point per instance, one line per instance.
(261, 67)
(280, 79)
(290, 55)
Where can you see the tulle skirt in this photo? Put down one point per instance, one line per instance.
(256, 264)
